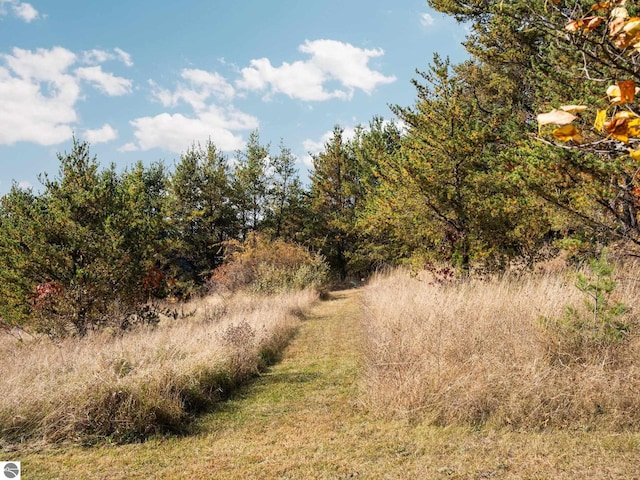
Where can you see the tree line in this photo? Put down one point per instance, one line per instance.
(466, 177)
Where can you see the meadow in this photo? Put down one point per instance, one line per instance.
(518, 351)
(125, 386)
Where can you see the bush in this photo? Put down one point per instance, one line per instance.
(269, 267)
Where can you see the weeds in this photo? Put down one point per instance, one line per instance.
(474, 352)
(150, 381)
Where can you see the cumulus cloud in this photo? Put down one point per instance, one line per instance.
(330, 60)
(211, 116)
(106, 82)
(37, 95)
(104, 134)
(427, 20)
(174, 132)
(23, 10)
(39, 91)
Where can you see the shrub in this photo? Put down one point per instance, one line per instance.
(269, 267)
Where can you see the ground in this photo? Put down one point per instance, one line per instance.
(304, 419)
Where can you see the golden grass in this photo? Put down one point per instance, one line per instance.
(301, 420)
(147, 381)
(476, 352)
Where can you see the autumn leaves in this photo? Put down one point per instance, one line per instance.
(617, 120)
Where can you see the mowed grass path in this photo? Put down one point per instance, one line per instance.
(303, 420)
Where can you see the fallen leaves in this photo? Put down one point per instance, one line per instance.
(566, 133)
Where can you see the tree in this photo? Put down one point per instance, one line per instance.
(564, 54)
(77, 257)
(451, 169)
(250, 184)
(202, 216)
(284, 196)
(334, 197)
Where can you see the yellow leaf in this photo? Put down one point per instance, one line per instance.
(625, 114)
(566, 133)
(574, 25)
(587, 24)
(573, 108)
(635, 154)
(555, 117)
(633, 128)
(613, 91)
(618, 128)
(615, 26)
(619, 12)
(601, 117)
(632, 26)
(601, 7)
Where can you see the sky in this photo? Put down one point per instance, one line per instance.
(146, 79)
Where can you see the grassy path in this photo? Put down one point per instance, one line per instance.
(302, 420)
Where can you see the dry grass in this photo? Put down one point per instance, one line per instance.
(301, 420)
(148, 381)
(477, 352)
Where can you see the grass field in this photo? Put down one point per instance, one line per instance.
(307, 417)
(126, 387)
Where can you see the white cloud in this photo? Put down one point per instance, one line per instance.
(96, 56)
(39, 92)
(175, 132)
(37, 96)
(106, 82)
(330, 60)
(124, 57)
(301, 80)
(427, 20)
(347, 64)
(207, 94)
(23, 10)
(104, 134)
(201, 87)
(25, 185)
(128, 147)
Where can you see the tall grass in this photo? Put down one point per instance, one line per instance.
(151, 380)
(478, 352)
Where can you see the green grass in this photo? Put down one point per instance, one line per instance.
(304, 419)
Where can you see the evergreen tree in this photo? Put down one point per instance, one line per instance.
(284, 197)
(334, 196)
(201, 213)
(250, 184)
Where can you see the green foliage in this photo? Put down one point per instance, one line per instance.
(335, 197)
(596, 329)
(251, 184)
(202, 216)
(535, 65)
(76, 257)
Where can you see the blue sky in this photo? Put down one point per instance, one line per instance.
(143, 80)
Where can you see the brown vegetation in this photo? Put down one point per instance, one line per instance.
(487, 352)
(151, 380)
